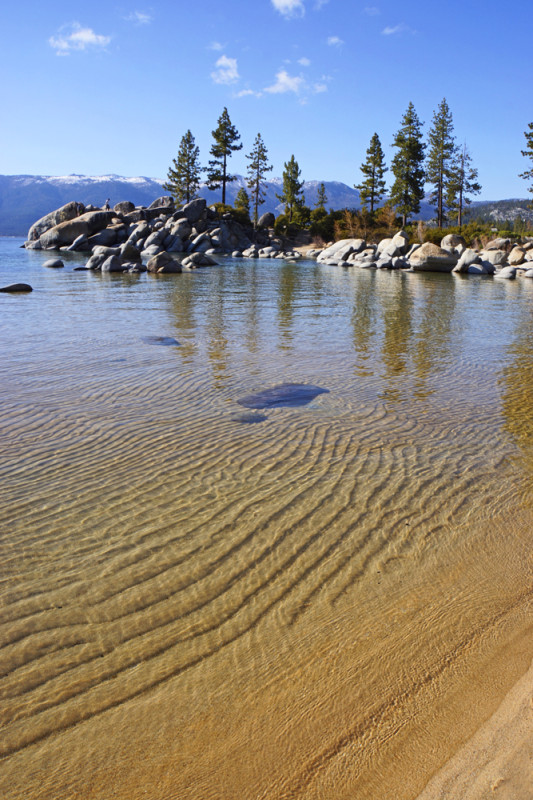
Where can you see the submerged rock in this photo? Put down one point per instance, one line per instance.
(17, 287)
(166, 341)
(286, 395)
(54, 263)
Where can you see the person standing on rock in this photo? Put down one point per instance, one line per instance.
(106, 205)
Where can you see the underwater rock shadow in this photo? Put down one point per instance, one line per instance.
(286, 395)
(166, 341)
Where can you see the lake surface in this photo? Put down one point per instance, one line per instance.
(203, 600)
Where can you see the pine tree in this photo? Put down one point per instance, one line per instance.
(528, 153)
(257, 168)
(373, 187)
(462, 182)
(440, 158)
(226, 138)
(408, 166)
(183, 179)
(242, 202)
(321, 199)
(292, 195)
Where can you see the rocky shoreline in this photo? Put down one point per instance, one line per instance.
(499, 257)
(163, 239)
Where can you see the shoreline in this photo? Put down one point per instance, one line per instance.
(497, 761)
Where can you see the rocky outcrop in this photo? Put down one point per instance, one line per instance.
(63, 214)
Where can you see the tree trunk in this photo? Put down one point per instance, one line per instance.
(224, 182)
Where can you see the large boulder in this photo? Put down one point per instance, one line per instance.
(401, 241)
(432, 258)
(341, 250)
(112, 264)
(66, 232)
(497, 244)
(451, 241)
(182, 228)
(54, 263)
(266, 220)
(163, 262)
(126, 207)
(496, 257)
(63, 214)
(107, 237)
(162, 202)
(194, 210)
(467, 259)
(517, 256)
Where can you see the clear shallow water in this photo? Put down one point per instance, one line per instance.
(321, 605)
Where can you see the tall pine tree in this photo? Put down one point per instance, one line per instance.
(528, 153)
(440, 158)
(183, 179)
(408, 166)
(321, 198)
(462, 182)
(226, 137)
(372, 188)
(292, 195)
(257, 168)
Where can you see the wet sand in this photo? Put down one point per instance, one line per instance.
(498, 760)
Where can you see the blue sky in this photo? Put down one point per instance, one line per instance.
(110, 87)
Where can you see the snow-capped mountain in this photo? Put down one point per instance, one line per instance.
(26, 198)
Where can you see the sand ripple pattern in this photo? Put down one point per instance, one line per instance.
(172, 535)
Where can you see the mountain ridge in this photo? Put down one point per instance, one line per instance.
(26, 198)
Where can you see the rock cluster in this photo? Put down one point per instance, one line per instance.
(159, 239)
(499, 257)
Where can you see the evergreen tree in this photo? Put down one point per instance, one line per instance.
(257, 168)
(528, 153)
(226, 138)
(183, 179)
(292, 195)
(242, 202)
(462, 182)
(408, 166)
(321, 199)
(372, 187)
(440, 158)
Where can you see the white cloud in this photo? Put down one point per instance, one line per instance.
(391, 31)
(334, 41)
(305, 62)
(216, 46)
(139, 18)
(248, 93)
(372, 11)
(285, 83)
(226, 70)
(74, 37)
(319, 87)
(289, 8)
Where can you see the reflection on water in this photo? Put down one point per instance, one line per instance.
(321, 605)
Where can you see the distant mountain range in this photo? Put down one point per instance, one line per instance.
(26, 198)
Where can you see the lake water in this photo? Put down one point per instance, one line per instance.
(324, 603)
